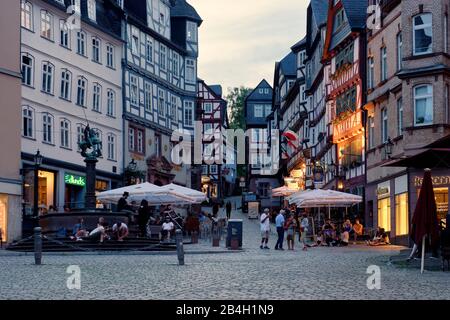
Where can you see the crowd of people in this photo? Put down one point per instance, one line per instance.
(103, 231)
(292, 222)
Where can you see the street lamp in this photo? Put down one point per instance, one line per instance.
(37, 164)
(388, 145)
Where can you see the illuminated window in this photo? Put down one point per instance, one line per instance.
(384, 214)
(401, 214)
(3, 217)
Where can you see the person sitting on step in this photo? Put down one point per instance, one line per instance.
(120, 231)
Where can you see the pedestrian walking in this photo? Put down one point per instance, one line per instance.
(279, 223)
(228, 208)
(265, 228)
(304, 226)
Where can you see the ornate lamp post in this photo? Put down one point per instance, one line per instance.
(37, 164)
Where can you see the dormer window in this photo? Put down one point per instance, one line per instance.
(92, 12)
(191, 31)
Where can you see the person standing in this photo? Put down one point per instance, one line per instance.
(265, 228)
(304, 226)
(123, 204)
(228, 208)
(143, 217)
(290, 227)
(279, 223)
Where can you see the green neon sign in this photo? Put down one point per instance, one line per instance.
(75, 180)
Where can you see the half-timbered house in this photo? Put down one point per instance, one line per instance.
(160, 84)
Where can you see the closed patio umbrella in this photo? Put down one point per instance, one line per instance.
(425, 220)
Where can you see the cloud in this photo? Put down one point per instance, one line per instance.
(240, 40)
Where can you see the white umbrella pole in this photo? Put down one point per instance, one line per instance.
(422, 265)
(329, 212)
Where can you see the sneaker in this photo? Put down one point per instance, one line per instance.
(261, 247)
(266, 247)
(276, 248)
(281, 249)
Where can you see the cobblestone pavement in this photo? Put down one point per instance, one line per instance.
(320, 273)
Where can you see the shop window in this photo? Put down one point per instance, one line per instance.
(401, 214)
(3, 217)
(384, 214)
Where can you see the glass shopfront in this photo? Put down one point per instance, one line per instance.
(384, 206)
(384, 214)
(46, 191)
(3, 217)
(401, 214)
(74, 190)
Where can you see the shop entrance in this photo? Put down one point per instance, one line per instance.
(74, 197)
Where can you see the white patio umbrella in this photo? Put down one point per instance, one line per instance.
(319, 198)
(154, 194)
(283, 191)
(324, 198)
(194, 195)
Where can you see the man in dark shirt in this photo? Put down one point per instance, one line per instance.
(123, 204)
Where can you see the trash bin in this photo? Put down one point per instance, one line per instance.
(234, 232)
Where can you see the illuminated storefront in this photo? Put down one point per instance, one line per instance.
(46, 191)
(384, 206)
(441, 184)
(3, 217)
(74, 190)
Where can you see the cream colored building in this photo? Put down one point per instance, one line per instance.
(10, 183)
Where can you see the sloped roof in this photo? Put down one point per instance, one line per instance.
(255, 95)
(299, 45)
(288, 65)
(182, 9)
(217, 89)
(356, 11)
(320, 10)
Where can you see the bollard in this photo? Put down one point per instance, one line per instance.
(180, 249)
(37, 246)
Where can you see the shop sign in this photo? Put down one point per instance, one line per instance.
(383, 191)
(296, 173)
(437, 181)
(75, 180)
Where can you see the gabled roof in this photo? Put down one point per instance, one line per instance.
(320, 11)
(356, 11)
(182, 9)
(288, 65)
(255, 95)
